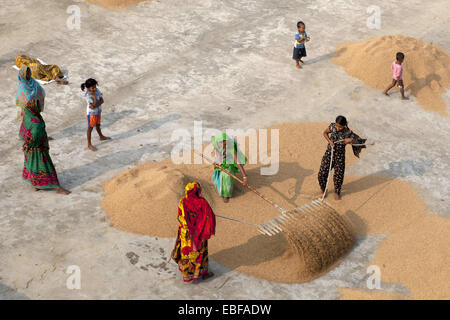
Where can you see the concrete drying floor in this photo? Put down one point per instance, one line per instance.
(162, 65)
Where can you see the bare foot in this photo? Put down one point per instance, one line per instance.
(298, 66)
(405, 98)
(337, 197)
(62, 191)
(208, 275)
(387, 94)
(104, 138)
(36, 189)
(225, 199)
(92, 147)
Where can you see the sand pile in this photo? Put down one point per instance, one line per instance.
(426, 72)
(111, 4)
(415, 252)
(144, 210)
(144, 200)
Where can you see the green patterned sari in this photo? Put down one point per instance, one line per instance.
(38, 169)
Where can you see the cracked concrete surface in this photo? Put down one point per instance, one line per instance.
(162, 65)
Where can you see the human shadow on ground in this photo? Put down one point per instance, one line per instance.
(287, 170)
(256, 250)
(79, 129)
(9, 61)
(358, 226)
(146, 127)
(325, 56)
(8, 293)
(417, 84)
(77, 176)
(397, 169)
(261, 248)
(320, 58)
(363, 183)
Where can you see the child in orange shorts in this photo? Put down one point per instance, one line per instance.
(94, 99)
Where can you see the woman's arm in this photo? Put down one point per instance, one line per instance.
(94, 99)
(241, 169)
(100, 102)
(327, 137)
(91, 100)
(30, 103)
(348, 140)
(39, 107)
(37, 131)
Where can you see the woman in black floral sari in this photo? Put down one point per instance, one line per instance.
(338, 136)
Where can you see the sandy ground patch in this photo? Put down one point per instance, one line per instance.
(113, 4)
(426, 71)
(231, 67)
(139, 199)
(144, 200)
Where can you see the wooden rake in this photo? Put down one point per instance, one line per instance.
(278, 224)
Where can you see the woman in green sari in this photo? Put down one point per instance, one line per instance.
(38, 167)
(231, 158)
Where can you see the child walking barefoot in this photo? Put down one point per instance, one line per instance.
(94, 99)
(397, 69)
(299, 45)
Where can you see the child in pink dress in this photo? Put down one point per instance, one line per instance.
(397, 70)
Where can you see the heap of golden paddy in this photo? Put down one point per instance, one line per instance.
(425, 69)
(144, 200)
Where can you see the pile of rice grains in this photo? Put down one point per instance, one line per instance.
(425, 69)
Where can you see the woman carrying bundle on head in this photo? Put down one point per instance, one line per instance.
(38, 167)
(197, 224)
(231, 158)
(338, 136)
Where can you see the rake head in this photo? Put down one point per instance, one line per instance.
(280, 223)
(316, 231)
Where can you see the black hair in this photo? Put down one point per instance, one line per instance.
(300, 23)
(89, 83)
(400, 56)
(341, 120)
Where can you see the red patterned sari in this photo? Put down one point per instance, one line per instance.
(197, 224)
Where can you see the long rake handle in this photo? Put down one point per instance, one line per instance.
(331, 164)
(237, 220)
(241, 182)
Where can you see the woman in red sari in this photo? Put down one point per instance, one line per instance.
(197, 223)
